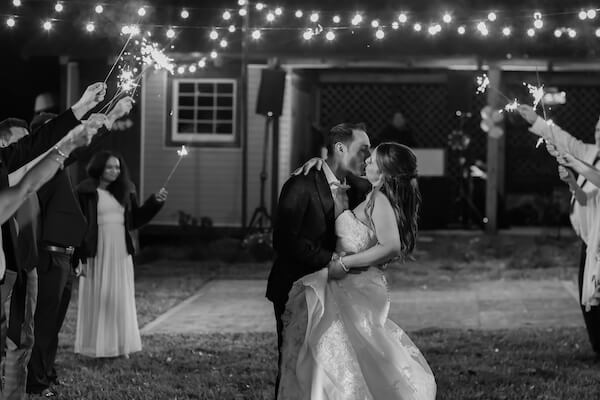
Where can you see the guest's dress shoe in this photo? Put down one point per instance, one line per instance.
(48, 393)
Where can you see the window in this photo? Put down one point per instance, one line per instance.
(204, 111)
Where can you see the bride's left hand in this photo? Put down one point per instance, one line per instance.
(315, 162)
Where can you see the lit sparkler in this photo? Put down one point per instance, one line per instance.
(127, 81)
(483, 82)
(512, 106)
(153, 55)
(181, 153)
(537, 92)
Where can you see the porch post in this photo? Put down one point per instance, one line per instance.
(495, 156)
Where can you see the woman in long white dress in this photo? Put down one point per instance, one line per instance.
(106, 318)
(338, 342)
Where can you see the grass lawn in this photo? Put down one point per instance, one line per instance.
(518, 364)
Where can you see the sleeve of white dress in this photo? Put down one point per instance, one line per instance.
(562, 139)
(590, 295)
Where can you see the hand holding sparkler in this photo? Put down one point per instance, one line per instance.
(570, 161)
(122, 108)
(552, 150)
(566, 175)
(161, 196)
(181, 153)
(93, 95)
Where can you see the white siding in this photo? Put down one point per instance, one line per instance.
(206, 183)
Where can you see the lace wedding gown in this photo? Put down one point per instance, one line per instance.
(338, 343)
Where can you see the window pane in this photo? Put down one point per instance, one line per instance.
(186, 114)
(204, 128)
(205, 101)
(225, 114)
(186, 101)
(225, 101)
(186, 88)
(224, 129)
(224, 88)
(185, 128)
(206, 88)
(206, 114)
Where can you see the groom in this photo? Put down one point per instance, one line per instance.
(304, 231)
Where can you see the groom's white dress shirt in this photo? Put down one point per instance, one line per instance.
(338, 190)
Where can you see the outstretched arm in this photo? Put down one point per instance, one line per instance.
(581, 167)
(388, 237)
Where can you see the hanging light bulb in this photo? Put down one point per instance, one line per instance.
(17, 3)
(223, 43)
(531, 32)
(90, 27)
(380, 34)
(270, 17)
(10, 22)
(417, 27)
(99, 9)
(558, 32)
(278, 11)
(572, 33)
(538, 24)
(314, 17)
(214, 35)
(241, 3)
(447, 18)
(58, 7)
(492, 16)
(591, 14)
(402, 18)
(242, 12)
(226, 15)
(395, 25)
(231, 28)
(582, 15)
(141, 11)
(47, 25)
(336, 19)
(185, 14)
(330, 36)
(180, 70)
(192, 68)
(256, 34)
(202, 63)
(260, 6)
(461, 30)
(506, 31)
(308, 34)
(170, 33)
(375, 23)
(598, 32)
(537, 15)
(213, 54)
(357, 19)
(298, 13)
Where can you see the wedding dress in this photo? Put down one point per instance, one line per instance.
(338, 343)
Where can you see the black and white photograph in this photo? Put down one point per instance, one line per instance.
(299, 200)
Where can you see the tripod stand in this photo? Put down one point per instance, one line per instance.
(260, 216)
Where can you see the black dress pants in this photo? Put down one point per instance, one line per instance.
(592, 317)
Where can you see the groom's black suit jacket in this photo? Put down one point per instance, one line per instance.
(304, 229)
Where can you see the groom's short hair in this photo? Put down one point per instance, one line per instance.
(343, 133)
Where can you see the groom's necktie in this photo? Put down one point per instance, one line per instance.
(340, 197)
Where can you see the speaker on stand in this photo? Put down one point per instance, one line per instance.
(269, 104)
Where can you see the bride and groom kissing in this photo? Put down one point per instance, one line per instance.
(333, 233)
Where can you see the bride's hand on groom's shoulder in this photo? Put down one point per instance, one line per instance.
(315, 162)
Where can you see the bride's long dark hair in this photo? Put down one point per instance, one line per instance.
(398, 165)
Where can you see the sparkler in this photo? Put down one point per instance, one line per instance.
(512, 106)
(538, 94)
(181, 153)
(483, 84)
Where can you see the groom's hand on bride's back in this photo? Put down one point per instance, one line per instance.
(315, 162)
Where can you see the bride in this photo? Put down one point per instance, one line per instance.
(338, 343)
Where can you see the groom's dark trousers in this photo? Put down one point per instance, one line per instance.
(592, 317)
(304, 235)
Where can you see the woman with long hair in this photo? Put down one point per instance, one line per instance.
(106, 319)
(338, 342)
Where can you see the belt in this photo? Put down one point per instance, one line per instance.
(63, 250)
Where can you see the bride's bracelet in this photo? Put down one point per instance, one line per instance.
(344, 267)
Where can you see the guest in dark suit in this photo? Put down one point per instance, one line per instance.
(397, 131)
(28, 148)
(304, 231)
(63, 227)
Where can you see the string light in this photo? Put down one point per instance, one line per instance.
(278, 11)
(492, 16)
(17, 3)
(256, 34)
(434, 29)
(180, 70)
(461, 30)
(192, 68)
(299, 14)
(558, 33)
(214, 35)
(243, 12)
(572, 33)
(99, 9)
(336, 19)
(270, 17)
(231, 28)
(582, 15)
(241, 3)
(447, 18)
(417, 27)
(170, 33)
(308, 34)
(357, 19)
(58, 7)
(314, 17)
(395, 25)
(260, 6)
(213, 54)
(226, 15)
(506, 31)
(537, 15)
(531, 32)
(375, 23)
(379, 34)
(185, 14)
(482, 28)
(330, 36)
(10, 22)
(223, 43)
(90, 27)
(141, 11)
(402, 18)
(202, 63)
(538, 23)
(47, 25)
(591, 14)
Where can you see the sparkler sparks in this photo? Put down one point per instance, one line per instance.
(127, 81)
(152, 55)
(536, 92)
(511, 106)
